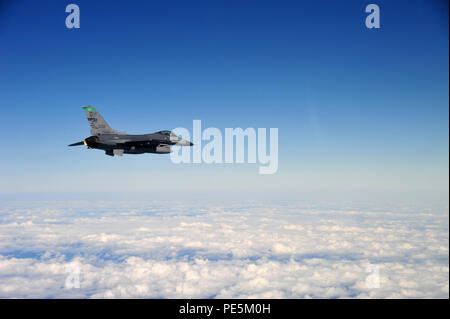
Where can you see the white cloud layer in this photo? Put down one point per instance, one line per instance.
(284, 249)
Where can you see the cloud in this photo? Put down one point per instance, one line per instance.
(210, 250)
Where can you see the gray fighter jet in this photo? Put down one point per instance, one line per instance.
(117, 143)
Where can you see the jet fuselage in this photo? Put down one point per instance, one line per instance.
(114, 144)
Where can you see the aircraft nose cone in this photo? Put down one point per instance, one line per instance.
(191, 144)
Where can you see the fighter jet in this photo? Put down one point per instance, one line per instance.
(113, 142)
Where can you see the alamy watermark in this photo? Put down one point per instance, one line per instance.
(373, 19)
(373, 278)
(235, 146)
(73, 19)
(73, 278)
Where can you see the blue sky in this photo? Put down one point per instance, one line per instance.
(357, 109)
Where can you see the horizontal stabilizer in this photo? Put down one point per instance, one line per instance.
(76, 144)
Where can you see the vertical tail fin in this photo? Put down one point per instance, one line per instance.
(97, 123)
